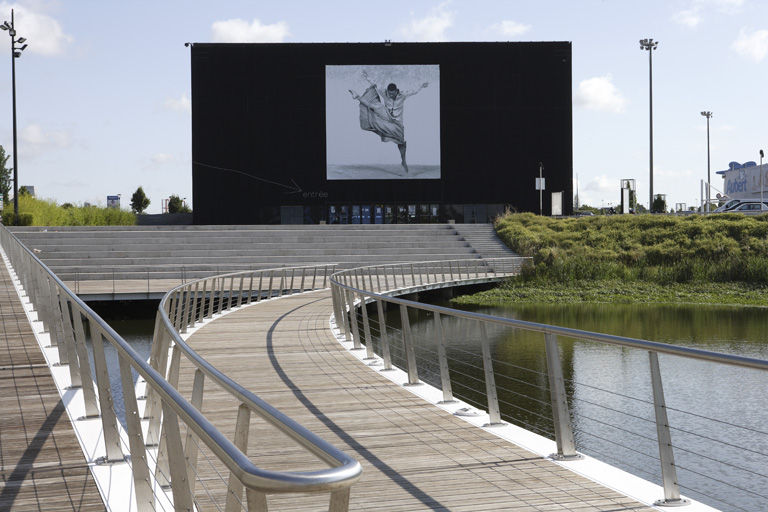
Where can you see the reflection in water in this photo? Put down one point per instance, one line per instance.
(610, 392)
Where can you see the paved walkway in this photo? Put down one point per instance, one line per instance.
(41, 463)
(415, 456)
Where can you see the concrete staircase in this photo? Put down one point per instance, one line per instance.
(170, 252)
(483, 239)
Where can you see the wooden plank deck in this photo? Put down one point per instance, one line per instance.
(41, 463)
(415, 456)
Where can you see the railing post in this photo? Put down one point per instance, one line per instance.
(145, 498)
(231, 292)
(182, 497)
(666, 455)
(410, 355)
(207, 302)
(89, 396)
(261, 283)
(153, 408)
(271, 278)
(344, 317)
(367, 331)
(196, 303)
(185, 314)
(250, 288)
(240, 291)
(164, 472)
(191, 450)
(561, 416)
(303, 276)
(235, 486)
(54, 320)
(490, 381)
(353, 320)
(75, 376)
(445, 376)
(383, 337)
(222, 292)
(290, 288)
(108, 418)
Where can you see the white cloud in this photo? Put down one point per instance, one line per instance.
(727, 6)
(45, 35)
(240, 31)
(432, 27)
(35, 140)
(162, 158)
(599, 93)
(694, 16)
(689, 18)
(178, 105)
(597, 189)
(509, 28)
(753, 45)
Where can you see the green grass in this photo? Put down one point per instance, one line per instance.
(46, 212)
(715, 259)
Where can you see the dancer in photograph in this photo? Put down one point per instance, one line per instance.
(381, 112)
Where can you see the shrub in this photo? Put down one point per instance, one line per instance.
(655, 248)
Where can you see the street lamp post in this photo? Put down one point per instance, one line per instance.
(15, 54)
(708, 115)
(650, 44)
(761, 179)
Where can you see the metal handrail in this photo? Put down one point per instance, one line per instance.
(353, 289)
(346, 470)
(63, 314)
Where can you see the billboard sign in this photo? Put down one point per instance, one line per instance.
(382, 122)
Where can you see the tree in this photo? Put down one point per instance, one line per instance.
(139, 201)
(176, 205)
(5, 176)
(659, 204)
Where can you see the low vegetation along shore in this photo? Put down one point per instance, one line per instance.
(714, 259)
(46, 212)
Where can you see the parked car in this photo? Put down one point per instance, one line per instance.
(728, 205)
(583, 213)
(750, 208)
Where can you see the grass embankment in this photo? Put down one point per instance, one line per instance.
(46, 212)
(715, 259)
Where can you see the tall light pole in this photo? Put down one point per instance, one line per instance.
(708, 115)
(761, 179)
(15, 54)
(650, 45)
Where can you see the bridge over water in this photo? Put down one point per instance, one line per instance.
(414, 454)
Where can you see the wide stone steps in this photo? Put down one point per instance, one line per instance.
(108, 252)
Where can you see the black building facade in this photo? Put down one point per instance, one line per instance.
(379, 132)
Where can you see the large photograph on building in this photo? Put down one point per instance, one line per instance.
(303, 133)
(382, 122)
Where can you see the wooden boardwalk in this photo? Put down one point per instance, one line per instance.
(415, 456)
(41, 463)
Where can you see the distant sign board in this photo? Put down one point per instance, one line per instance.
(113, 201)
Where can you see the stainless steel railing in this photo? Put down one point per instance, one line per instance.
(158, 458)
(354, 291)
(185, 306)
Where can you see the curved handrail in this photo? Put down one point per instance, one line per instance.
(354, 288)
(53, 300)
(346, 470)
(342, 277)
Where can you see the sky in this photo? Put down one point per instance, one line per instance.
(104, 102)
